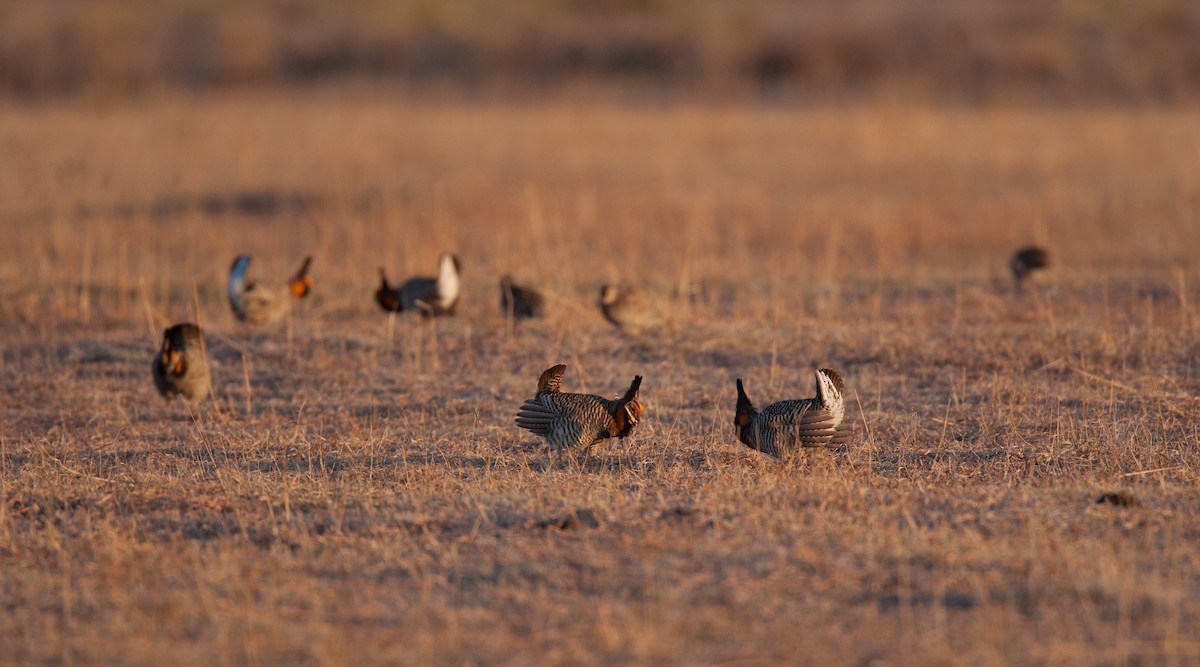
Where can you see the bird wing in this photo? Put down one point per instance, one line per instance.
(803, 420)
(418, 294)
(568, 420)
(538, 415)
(529, 296)
(260, 304)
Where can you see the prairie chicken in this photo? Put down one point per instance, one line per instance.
(255, 303)
(781, 428)
(181, 366)
(629, 307)
(1027, 260)
(571, 421)
(429, 296)
(519, 302)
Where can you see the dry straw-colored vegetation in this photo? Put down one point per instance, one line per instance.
(1127, 51)
(355, 492)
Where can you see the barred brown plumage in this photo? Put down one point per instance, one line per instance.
(181, 366)
(255, 303)
(429, 296)
(570, 421)
(781, 428)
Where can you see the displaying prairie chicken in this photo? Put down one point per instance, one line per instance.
(518, 302)
(256, 303)
(782, 428)
(181, 366)
(629, 307)
(1027, 260)
(429, 296)
(573, 421)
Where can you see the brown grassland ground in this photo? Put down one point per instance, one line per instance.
(356, 492)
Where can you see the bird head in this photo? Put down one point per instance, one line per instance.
(301, 283)
(633, 410)
(745, 409)
(629, 410)
(172, 356)
(385, 296)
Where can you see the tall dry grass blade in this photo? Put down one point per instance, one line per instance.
(84, 294)
(4, 506)
(870, 439)
(151, 330)
(289, 328)
(248, 392)
(1181, 281)
(1140, 473)
(197, 312)
(774, 365)
(945, 424)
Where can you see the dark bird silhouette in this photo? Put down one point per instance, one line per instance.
(782, 428)
(519, 302)
(1027, 260)
(1119, 498)
(181, 366)
(431, 297)
(255, 303)
(578, 421)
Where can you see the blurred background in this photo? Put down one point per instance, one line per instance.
(975, 51)
(860, 142)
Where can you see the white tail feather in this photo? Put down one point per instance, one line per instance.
(831, 396)
(447, 280)
(237, 280)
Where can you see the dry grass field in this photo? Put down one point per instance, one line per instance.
(355, 492)
(976, 51)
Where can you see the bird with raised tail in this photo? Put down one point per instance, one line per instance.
(781, 429)
(431, 297)
(629, 307)
(181, 366)
(256, 303)
(518, 302)
(578, 421)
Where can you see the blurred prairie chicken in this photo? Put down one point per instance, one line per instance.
(181, 366)
(519, 302)
(629, 307)
(1027, 260)
(429, 296)
(572, 421)
(784, 427)
(255, 303)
